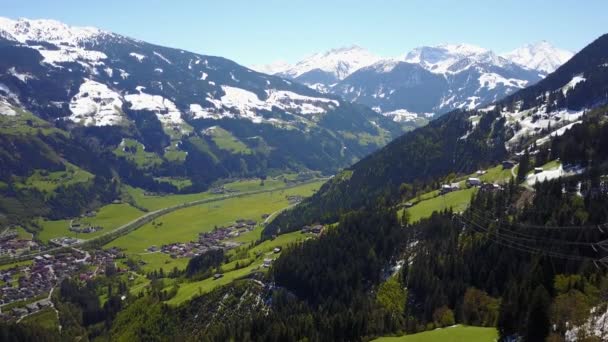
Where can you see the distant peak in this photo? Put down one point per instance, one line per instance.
(51, 30)
(541, 55)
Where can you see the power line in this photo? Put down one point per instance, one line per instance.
(534, 238)
(504, 241)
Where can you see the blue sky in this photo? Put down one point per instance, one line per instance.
(258, 31)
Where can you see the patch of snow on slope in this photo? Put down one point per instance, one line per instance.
(96, 105)
(162, 57)
(238, 102)
(109, 71)
(137, 56)
(556, 133)
(6, 108)
(491, 80)
(23, 77)
(70, 54)
(243, 101)
(553, 174)
(166, 111)
(533, 121)
(300, 104)
(204, 76)
(572, 84)
(596, 325)
(198, 112)
(401, 115)
(123, 74)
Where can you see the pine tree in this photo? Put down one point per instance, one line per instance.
(538, 324)
(524, 167)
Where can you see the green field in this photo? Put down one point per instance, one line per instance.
(26, 123)
(254, 184)
(23, 234)
(109, 217)
(184, 225)
(14, 264)
(154, 261)
(226, 141)
(457, 200)
(497, 175)
(427, 203)
(459, 333)
(49, 181)
(155, 202)
(134, 151)
(45, 318)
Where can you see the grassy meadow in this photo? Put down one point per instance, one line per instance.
(459, 333)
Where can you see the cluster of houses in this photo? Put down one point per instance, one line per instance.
(471, 182)
(219, 190)
(25, 282)
(65, 241)
(214, 239)
(314, 229)
(11, 245)
(77, 227)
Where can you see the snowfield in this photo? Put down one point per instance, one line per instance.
(137, 56)
(572, 84)
(166, 111)
(401, 115)
(596, 325)
(553, 174)
(96, 105)
(238, 102)
(534, 121)
(6, 108)
(492, 80)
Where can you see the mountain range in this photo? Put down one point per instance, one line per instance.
(190, 115)
(465, 139)
(425, 82)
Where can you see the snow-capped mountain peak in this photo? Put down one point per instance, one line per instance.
(340, 62)
(441, 59)
(542, 56)
(46, 30)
